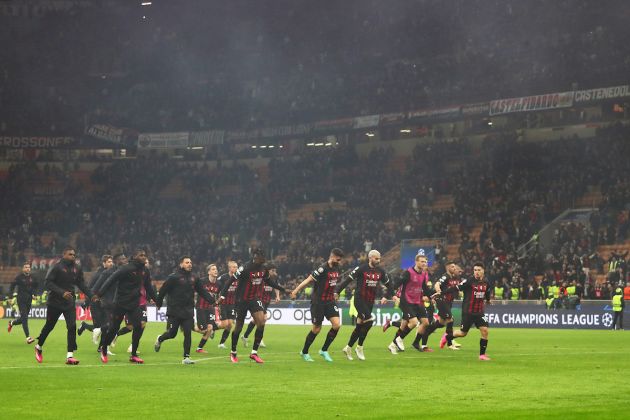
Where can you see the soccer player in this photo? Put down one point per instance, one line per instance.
(266, 300)
(227, 313)
(367, 278)
(444, 302)
(143, 305)
(26, 288)
(180, 288)
(105, 303)
(251, 278)
(206, 310)
(61, 281)
(323, 303)
(107, 262)
(414, 291)
(476, 294)
(128, 281)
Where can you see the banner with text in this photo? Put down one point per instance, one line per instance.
(532, 103)
(177, 140)
(601, 94)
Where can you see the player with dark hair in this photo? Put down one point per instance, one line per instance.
(323, 303)
(206, 310)
(143, 305)
(26, 289)
(227, 313)
(266, 300)
(367, 278)
(61, 281)
(444, 302)
(128, 281)
(180, 287)
(476, 295)
(251, 277)
(105, 303)
(107, 262)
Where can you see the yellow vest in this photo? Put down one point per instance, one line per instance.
(515, 293)
(616, 302)
(498, 292)
(571, 290)
(550, 301)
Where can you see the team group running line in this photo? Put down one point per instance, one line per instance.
(121, 289)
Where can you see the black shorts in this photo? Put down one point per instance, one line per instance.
(322, 310)
(364, 309)
(251, 306)
(206, 317)
(410, 311)
(445, 309)
(143, 316)
(468, 320)
(132, 316)
(227, 312)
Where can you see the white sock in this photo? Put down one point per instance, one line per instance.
(37, 347)
(254, 352)
(70, 354)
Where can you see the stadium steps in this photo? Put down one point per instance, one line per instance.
(308, 211)
(175, 190)
(85, 179)
(8, 274)
(591, 199)
(443, 202)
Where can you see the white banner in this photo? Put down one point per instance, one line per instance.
(275, 316)
(177, 140)
(532, 103)
(366, 121)
(601, 94)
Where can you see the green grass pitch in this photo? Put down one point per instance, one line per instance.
(533, 374)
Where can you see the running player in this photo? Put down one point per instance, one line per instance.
(26, 288)
(251, 278)
(367, 278)
(413, 292)
(129, 282)
(266, 300)
(206, 310)
(180, 288)
(476, 294)
(323, 303)
(61, 281)
(444, 301)
(227, 313)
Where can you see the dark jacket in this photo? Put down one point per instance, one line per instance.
(26, 288)
(180, 287)
(64, 277)
(128, 281)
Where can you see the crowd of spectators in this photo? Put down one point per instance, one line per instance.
(510, 189)
(237, 64)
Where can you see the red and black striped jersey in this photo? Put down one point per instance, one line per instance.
(325, 279)
(230, 294)
(448, 282)
(367, 281)
(267, 293)
(476, 294)
(251, 279)
(211, 287)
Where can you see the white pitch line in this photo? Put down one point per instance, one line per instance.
(340, 359)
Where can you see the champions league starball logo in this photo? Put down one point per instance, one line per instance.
(420, 252)
(607, 320)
